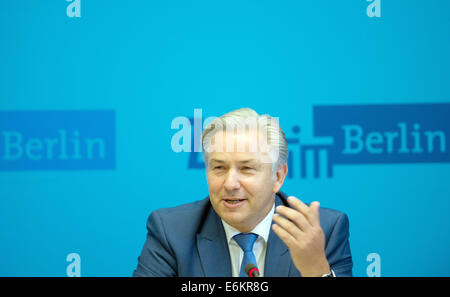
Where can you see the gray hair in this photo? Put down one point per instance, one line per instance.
(242, 119)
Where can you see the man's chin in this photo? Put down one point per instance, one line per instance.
(235, 220)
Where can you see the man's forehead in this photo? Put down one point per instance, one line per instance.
(243, 158)
(239, 134)
(241, 145)
(239, 141)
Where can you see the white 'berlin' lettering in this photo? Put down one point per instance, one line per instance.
(63, 147)
(376, 142)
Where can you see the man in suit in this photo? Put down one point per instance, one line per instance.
(246, 219)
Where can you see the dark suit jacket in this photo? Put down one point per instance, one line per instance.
(189, 240)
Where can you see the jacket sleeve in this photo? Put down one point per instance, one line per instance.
(338, 248)
(157, 257)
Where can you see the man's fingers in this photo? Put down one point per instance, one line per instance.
(288, 226)
(284, 235)
(312, 214)
(295, 216)
(314, 207)
(298, 204)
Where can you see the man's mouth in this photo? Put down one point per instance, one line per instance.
(233, 202)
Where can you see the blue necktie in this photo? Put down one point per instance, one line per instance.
(246, 242)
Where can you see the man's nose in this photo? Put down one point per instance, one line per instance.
(232, 180)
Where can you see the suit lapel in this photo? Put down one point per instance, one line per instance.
(278, 260)
(213, 248)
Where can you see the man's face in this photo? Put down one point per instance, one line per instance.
(241, 183)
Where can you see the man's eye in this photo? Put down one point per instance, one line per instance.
(246, 168)
(218, 167)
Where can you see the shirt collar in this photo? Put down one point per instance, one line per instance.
(262, 229)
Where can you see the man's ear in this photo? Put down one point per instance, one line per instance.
(280, 175)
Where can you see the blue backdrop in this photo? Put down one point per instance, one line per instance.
(89, 90)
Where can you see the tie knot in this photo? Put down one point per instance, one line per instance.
(246, 241)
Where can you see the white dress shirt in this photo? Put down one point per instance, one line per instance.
(259, 248)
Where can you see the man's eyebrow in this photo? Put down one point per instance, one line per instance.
(249, 161)
(217, 160)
